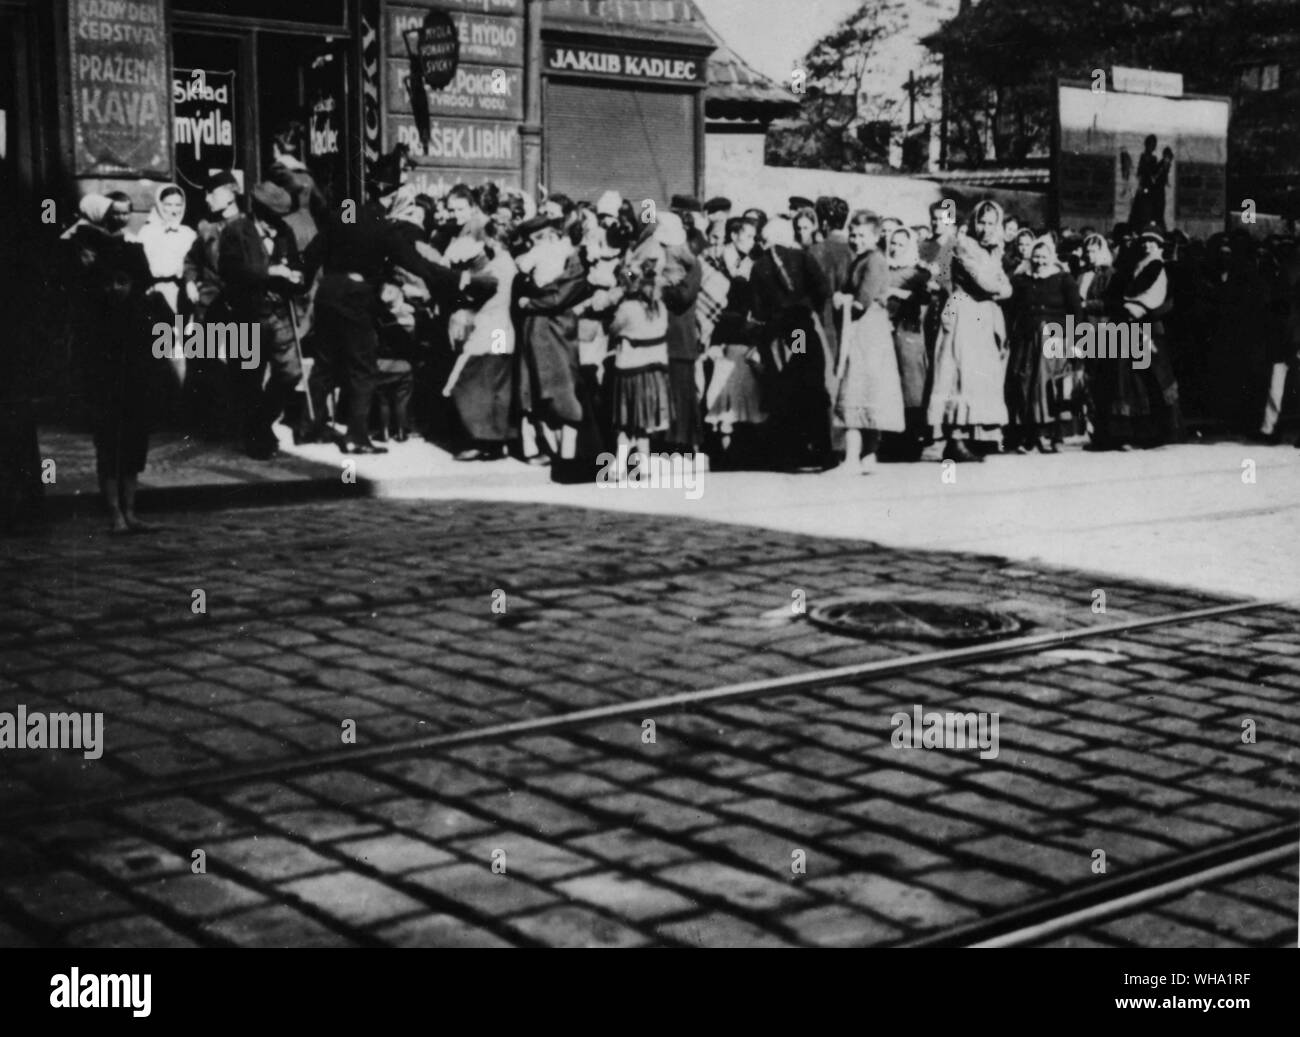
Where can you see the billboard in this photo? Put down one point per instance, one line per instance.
(1106, 170)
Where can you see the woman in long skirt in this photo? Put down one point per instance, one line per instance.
(482, 382)
(735, 395)
(967, 389)
(869, 398)
(1039, 367)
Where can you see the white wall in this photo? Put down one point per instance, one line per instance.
(748, 183)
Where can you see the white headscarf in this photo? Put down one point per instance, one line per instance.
(167, 244)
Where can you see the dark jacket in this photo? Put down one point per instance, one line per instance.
(244, 267)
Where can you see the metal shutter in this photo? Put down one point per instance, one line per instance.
(639, 142)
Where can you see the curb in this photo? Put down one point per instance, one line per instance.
(67, 506)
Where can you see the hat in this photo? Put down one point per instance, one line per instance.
(670, 230)
(685, 203)
(538, 222)
(798, 202)
(222, 178)
(609, 203)
(1151, 232)
(386, 174)
(717, 205)
(273, 198)
(463, 250)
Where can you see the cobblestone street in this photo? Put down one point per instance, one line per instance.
(785, 818)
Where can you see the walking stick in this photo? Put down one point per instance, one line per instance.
(302, 364)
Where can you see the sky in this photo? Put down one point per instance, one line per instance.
(789, 28)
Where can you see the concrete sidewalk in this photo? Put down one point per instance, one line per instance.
(1187, 515)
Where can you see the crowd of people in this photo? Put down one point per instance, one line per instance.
(810, 340)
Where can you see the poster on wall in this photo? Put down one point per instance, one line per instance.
(121, 92)
(1141, 158)
(203, 124)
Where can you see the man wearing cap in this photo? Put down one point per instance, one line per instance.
(353, 251)
(258, 263)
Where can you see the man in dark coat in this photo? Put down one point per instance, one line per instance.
(790, 289)
(353, 251)
(257, 262)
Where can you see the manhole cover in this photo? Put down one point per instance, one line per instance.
(922, 620)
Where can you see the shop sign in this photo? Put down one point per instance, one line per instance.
(458, 142)
(612, 63)
(475, 90)
(204, 119)
(121, 92)
(484, 40)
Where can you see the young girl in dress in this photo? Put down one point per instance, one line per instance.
(640, 331)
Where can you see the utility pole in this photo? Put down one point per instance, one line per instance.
(530, 133)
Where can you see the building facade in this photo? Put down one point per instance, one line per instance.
(124, 94)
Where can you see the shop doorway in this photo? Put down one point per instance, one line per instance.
(302, 97)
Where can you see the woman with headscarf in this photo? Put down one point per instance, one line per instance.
(869, 399)
(967, 389)
(908, 299)
(1038, 368)
(108, 278)
(807, 227)
(168, 245)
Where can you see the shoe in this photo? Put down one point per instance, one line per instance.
(401, 436)
(472, 454)
(537, 460)
(1047, 446)
(957, 450)
(382, 437)
(867, 465)
(1273, 438)
(349, 447)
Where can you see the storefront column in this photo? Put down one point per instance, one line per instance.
(530, 133)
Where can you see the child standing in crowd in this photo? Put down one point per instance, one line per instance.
(640, 329)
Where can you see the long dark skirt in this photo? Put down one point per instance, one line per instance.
(483, 396)
(1039, 388)
(1135, 406)
(794, 387)
(685, 425)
